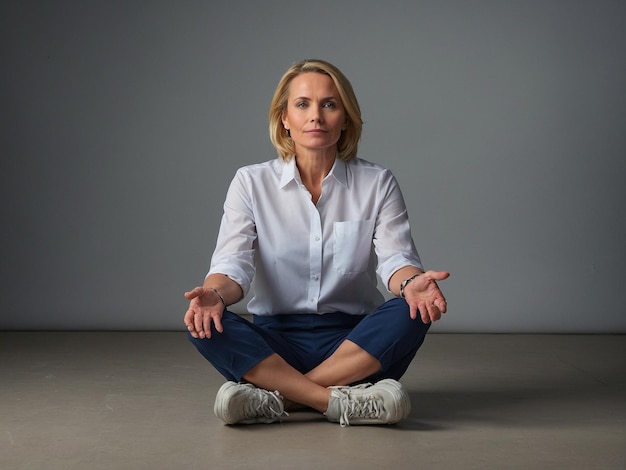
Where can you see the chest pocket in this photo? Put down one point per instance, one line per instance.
(352, 245)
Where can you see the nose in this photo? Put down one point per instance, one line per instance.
(316, 115)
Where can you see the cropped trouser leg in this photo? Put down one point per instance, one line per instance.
(306, 340)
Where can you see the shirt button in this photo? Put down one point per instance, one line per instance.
(316, 277)
(317, 239)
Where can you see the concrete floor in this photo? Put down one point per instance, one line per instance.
(113, 400)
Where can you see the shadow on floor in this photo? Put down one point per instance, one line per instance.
(565, 403)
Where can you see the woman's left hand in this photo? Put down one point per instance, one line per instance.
(424, 296)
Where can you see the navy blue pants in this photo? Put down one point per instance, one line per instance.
(306, 340)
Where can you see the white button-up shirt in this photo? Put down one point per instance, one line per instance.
(308, 258)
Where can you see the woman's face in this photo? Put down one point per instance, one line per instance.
(315, 115)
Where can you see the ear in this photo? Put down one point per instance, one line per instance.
(285, 120)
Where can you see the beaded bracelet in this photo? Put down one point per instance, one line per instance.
(405, 282)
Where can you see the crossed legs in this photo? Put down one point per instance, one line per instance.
(348, 364)
(260, 354)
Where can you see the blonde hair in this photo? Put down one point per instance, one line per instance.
(348, 142)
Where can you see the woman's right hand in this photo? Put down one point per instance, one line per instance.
(205, 308)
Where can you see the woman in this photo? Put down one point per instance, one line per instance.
(314, 227)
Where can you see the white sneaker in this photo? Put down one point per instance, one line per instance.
(243, 403)
(385, 402)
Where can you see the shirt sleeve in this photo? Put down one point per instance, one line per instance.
(393, 242)
(236, 240)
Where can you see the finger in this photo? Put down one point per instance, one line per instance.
(434, 313)
(193, 293)
(437, 275)
(442, 305)
(217, 322)
(188, 320)
(206, 325)
(414, 312)
(198, 324)
(423, 309)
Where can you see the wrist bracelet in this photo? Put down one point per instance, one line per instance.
(219, 295)
(406, 282)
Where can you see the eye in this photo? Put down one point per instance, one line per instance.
(301, 104)
(330, 104)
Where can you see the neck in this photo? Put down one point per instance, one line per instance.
(315, 165)
(313, 168)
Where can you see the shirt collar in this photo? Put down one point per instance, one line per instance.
(290, 172)
(340, 172)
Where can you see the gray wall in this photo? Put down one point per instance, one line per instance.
(123, 122)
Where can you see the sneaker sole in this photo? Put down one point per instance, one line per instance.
(227, 399)
(395, 388)
(222, 399)
(401, 400)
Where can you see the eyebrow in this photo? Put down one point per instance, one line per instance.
(335, 98)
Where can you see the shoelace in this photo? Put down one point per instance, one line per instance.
(366, 407)
(265, 404)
